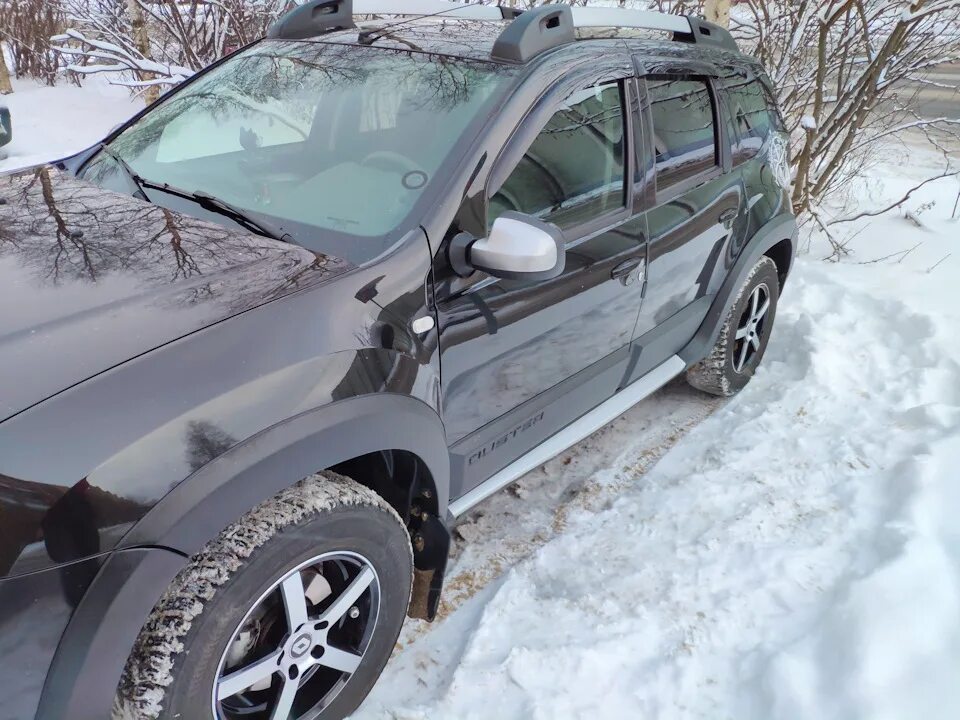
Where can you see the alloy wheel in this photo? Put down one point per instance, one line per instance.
(300, 643)
(751, 328)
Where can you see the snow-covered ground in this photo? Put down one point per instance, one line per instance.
(791, 553)
(53, 122)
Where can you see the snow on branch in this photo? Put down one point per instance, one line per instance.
(157, 42)
(122, 58)
(898, 203)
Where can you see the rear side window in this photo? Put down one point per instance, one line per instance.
(573, 172)
(754, 116)
(684, 131)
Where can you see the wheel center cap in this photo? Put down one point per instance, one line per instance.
(301, 645)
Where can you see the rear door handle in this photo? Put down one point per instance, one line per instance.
(624, 272)
(728, 215)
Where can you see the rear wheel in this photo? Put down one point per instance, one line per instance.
(290, 614)
(744, 336)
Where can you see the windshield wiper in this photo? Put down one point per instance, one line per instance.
(203, 199)
(221, 207)
(130, 172)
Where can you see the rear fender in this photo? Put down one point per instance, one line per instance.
(783, 227)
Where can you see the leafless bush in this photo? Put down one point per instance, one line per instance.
(25, 28)
(848, 73)
(146, 43)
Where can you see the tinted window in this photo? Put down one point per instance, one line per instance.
(573, 171)
(753, 116)
(683, 128)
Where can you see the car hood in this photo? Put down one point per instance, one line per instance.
(90, 278)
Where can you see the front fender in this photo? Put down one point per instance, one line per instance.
(197, 509)
(97, 641)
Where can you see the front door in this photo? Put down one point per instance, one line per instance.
(521, 360)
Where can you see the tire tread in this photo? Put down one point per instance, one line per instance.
(149, 670)
(710, 374)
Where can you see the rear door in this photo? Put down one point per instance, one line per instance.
(693, 208)
(759, 147)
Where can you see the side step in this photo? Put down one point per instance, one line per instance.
(573, 433)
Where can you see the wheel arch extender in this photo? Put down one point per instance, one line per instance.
(94, 648)
(780, 228)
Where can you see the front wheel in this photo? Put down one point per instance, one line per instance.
(744, 336)
(290, 614)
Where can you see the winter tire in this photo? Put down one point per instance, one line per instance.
(289, 614)
(744, 336)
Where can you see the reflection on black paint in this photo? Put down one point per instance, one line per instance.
(60, 523)
(80, 264)
(205, 442)
(60, 230)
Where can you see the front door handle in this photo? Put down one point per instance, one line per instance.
(728, 216)
(624, 272)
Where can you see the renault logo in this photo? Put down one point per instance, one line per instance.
(300, 646)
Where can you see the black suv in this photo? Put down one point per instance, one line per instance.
(263, 345)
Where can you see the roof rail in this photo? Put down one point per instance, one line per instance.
(620, 17)
(531, 32)
(685, 28)
(315, 17)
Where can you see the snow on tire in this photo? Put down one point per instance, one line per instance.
(744, 336)
(173, 669)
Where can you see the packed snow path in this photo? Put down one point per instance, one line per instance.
(796, 555)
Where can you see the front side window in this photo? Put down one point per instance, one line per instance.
(684, 131)
(334, 138)
(574, 171)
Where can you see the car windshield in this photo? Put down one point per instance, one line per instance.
(329, 137)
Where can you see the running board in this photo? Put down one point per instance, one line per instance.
(573, 433)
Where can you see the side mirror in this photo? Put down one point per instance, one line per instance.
(6, 127)
(520, 247)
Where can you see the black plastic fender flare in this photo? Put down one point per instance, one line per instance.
(94, 648)
(783, 227)
(197, 509)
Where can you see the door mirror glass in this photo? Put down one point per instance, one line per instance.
(519, 247)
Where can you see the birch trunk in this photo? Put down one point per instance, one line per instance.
(138, 29)
(717, 11)
(5, 87)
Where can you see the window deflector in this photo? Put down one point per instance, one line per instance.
(530, 128)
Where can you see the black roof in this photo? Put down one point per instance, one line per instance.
(474, 39)
(471, 39)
